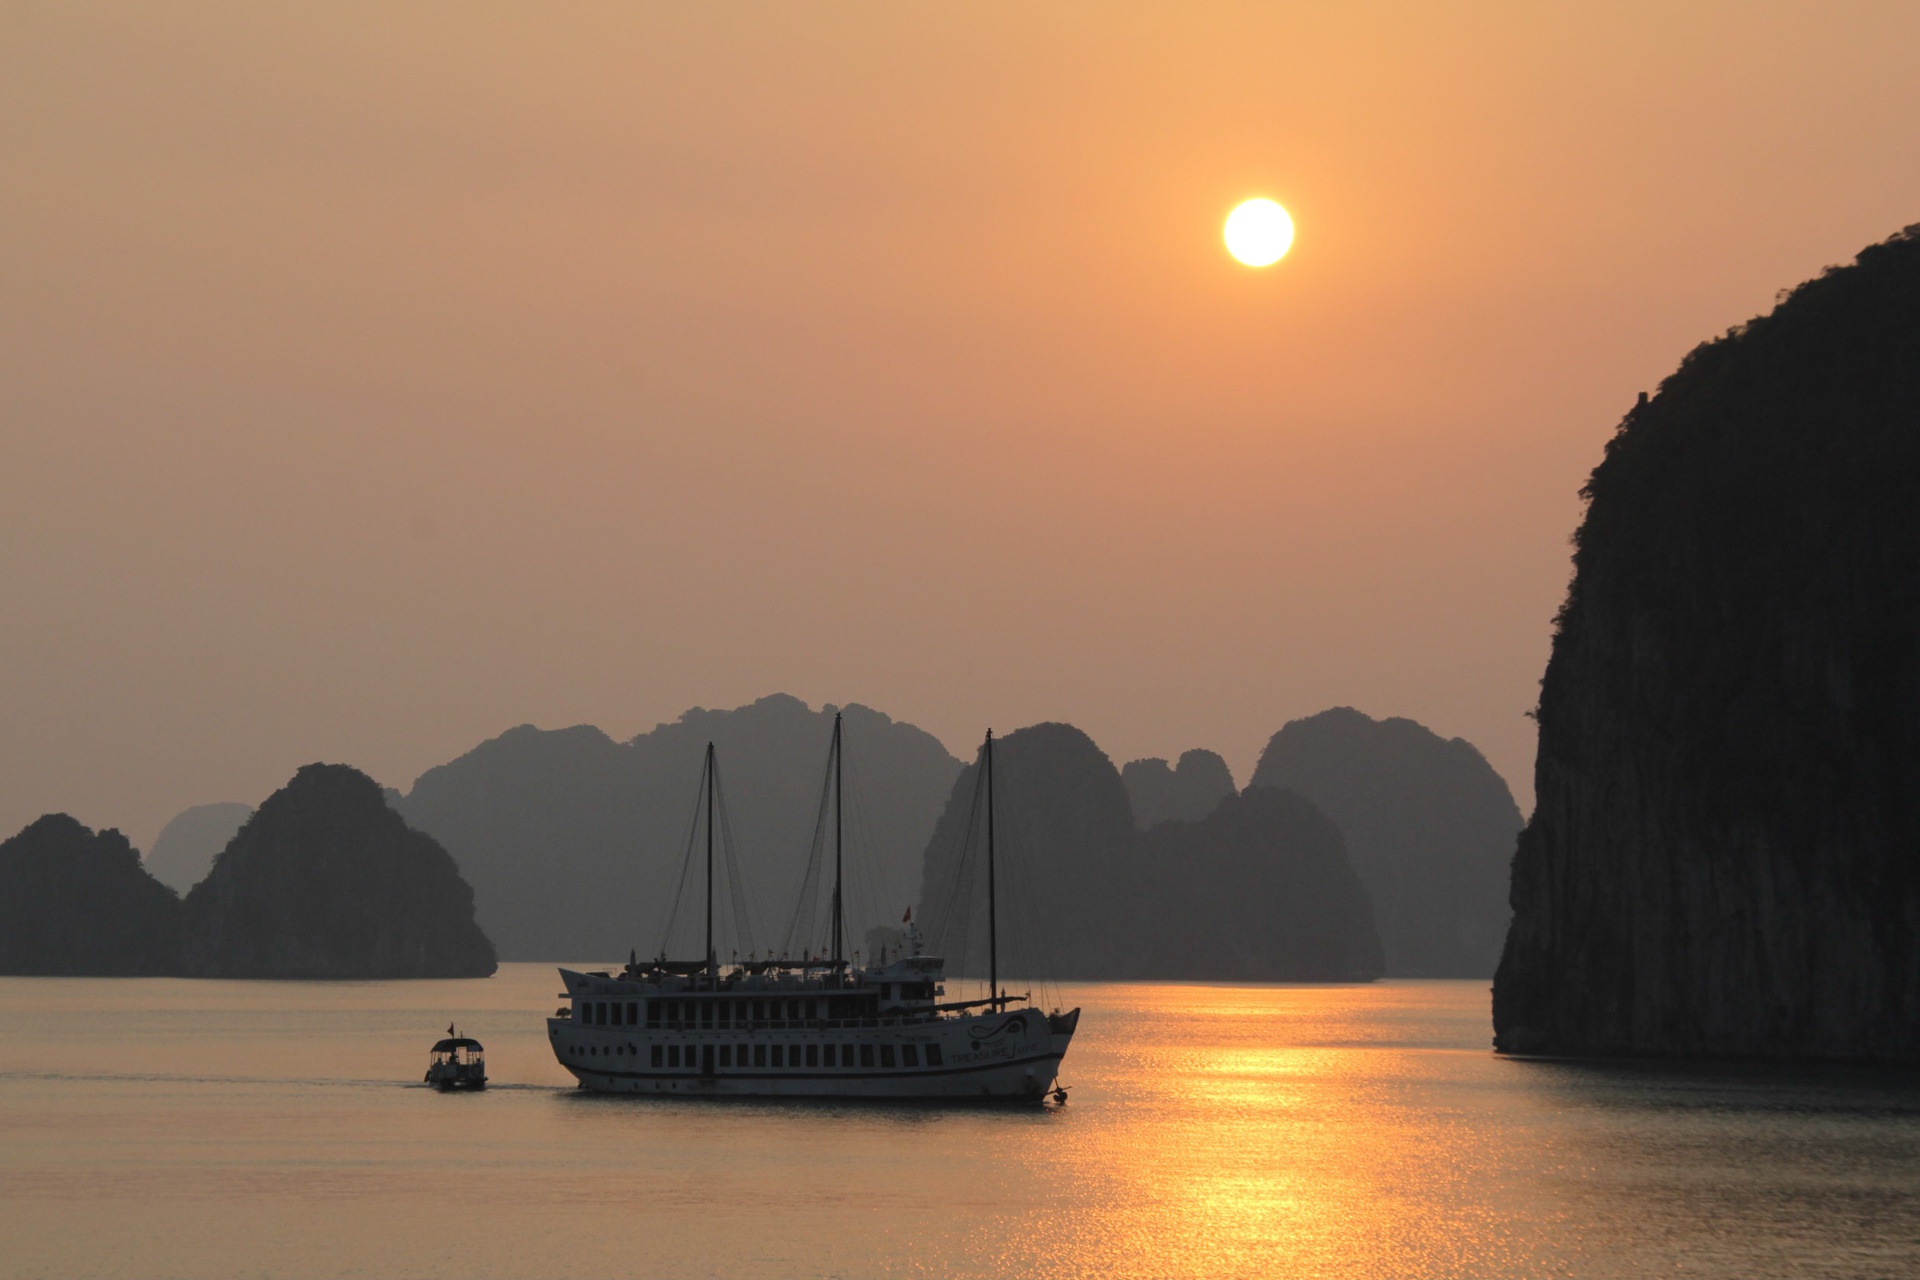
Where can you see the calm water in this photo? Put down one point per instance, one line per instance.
(275, 1129)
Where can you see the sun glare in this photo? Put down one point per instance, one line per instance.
(1259, 233)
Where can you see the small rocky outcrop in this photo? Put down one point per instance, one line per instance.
(77, 902)
(1260, 890)
(1429, 826)
(1725, 854)
(327, 881)
(1185, 792)
(1263, 892)
(184, 851)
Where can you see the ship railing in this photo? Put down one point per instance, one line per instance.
(904, 1016)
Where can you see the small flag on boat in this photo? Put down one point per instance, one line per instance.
(449, 1028)
(907, 918)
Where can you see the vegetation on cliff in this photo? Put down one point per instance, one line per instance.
(1429, 826)
(78, 902)
(1722, 858)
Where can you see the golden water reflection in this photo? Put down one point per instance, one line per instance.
(261, 1128)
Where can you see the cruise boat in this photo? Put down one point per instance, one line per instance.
(816, 1026)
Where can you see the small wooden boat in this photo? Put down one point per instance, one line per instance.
(458, 1063)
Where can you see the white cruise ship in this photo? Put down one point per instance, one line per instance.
(815, 1027)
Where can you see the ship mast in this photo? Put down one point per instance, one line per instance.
(839, 802)
(713, 974)
(993, 931)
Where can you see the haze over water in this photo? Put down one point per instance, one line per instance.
(167, 1127)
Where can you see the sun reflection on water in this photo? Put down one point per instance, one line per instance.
(1220, 1131)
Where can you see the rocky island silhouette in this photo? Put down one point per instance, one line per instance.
(1723, 856)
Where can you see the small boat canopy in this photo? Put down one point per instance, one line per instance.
(448, 1046)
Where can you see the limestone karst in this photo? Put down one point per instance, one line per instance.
(1725, 854)
(1429, 826)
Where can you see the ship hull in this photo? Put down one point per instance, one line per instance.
(1000, 1057)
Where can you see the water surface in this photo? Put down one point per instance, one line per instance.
(161, 1127)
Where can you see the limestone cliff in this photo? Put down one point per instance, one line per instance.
(1186, 792)
(1429, 826)
(1259, 890)
(327, 881)
(570, 838)
(1725, 854)
(184, 851)
(78, 903)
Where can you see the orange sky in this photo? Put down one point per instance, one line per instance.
(372, 382)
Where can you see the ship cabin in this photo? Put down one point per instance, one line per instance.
(757, 996)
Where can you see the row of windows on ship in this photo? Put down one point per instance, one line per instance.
(791, 1056)
(685, 1015)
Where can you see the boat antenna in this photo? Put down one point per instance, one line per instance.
(993, 930)
(712, 969)
(839, 809)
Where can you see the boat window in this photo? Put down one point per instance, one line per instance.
(653, 1012)
(759, 1055)
(726, 1012)
(777, 1051)
(599, 1013)
(933, 1055)
(866, 1055)
(633, 1014)
(886, 1055)
(813, 1055)
(726, 1055)
(909, 1055)
(706, 1013)
(759, 1011)
(658, 1053)
(846, 1055)
(793, 1010)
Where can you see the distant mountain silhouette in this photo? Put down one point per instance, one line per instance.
(573, 842)
(327, 881)
(74, 902)
(1725, 854)
(1268, 895)
(1258, 890)
(1188, 792)
(184, 851)
(1429, 826)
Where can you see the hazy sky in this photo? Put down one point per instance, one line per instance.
(374, 378)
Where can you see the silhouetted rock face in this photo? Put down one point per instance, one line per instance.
(184, 851)
(1429, 826)
(1263, 891)
(1722, 857)
(78, 903)
(1259, 890)
(1187, 792)
(572, 841)
(327, 881)
(1066, 862)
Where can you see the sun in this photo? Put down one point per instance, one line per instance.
(1259, 233)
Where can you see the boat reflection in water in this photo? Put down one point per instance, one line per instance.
(815, 1026)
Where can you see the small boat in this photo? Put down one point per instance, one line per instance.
(458, 1063)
